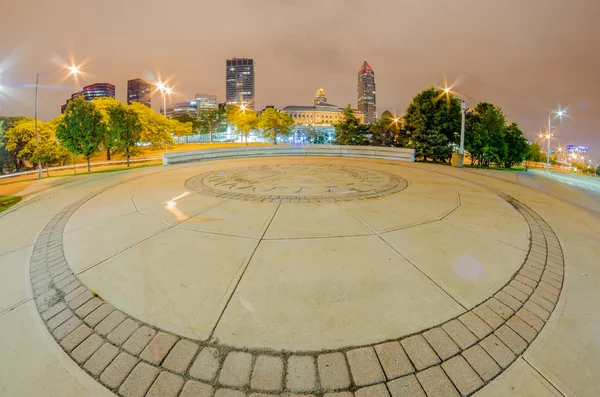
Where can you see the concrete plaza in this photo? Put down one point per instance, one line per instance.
(299, 275)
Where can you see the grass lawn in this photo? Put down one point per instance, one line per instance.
(495, 168)
(8, 201)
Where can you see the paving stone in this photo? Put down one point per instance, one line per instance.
(462, 375)
(59, 319)
(364, 366)
(301, 374)
(139, 380)
(53, 311)
(441, 342)
(118, 369)
(407, 386)
(419, 352)
(511, 339)
(111, 322)
(460, 334)
(166, 385)
(489, 316)
(547, 295)
(123, 331)
(331, 394)
(229, 393)
(435, 383)
(333, 371)
(524, 288)
(373, 391)
(481, 362)
(515, 293)
(86, 348)
(550, 288)
(525, 280)
(158, 348)
(552, 281)
(542, 302)
(522, 328)
(88, 307)
(138, 341)
(206, 365)
(196, 389)
(71, 287)
(101, 358)
(499, 308)
(179, 358)
(66, 328)
(267, 374)
(498, 351)
(534, 270)
(72, 340)
(75, 293)
(536, 309)
(531, 319)
(526, 273)
(236, 369)
(80, 300)
(95, 317)
(476, 325)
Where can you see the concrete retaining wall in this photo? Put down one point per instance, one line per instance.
(386, 153)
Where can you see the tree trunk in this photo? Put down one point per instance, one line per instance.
(107, 154)
(210, 136)
(127, 155)
(88, 163)
(47, 170)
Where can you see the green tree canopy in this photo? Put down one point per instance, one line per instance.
(155, 127)
(126, 128)
(184, 120)
(209, 120)
(243, 120)
(350, 131)
(387, 131)
(432, 125)
(274, 123)
(485, 134)
(104, 106)
(534, 153)
(517, 146)
(81, 130)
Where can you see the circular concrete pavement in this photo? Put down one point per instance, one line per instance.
(296, 275)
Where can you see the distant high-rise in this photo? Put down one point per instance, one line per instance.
(98, 90)
(321, 97)
(366, 92)
(206, 101)
(239, 82)
(180, 108)
(139, 90)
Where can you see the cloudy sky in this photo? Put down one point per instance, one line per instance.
(527, 56)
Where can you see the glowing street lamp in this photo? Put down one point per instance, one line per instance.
(73, 71)
(557, 113)
(463, 109)
(165, 90)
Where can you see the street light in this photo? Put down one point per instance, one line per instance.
(457, 161)
(558, 113)
(73, 70)
(165, 90)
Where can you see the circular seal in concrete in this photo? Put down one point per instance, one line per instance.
(297, 183)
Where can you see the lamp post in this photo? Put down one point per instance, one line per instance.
(164, 91)
(73, 70)
(458, 159)
(558, 113)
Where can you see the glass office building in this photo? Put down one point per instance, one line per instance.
(139, 90)
(239, 82)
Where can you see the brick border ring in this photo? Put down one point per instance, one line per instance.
(395, 184)
(458, 357)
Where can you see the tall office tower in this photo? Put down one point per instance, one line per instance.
(98, 90)
(239, 82)
(366, 92)
(206, 101)
(321, 97)
(139, 90)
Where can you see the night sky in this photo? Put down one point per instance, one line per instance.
(527, 56)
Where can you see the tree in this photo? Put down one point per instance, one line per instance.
(210, 119)
(20, 141)
(431, 125)
(273, 123)
(82, 128)
(350, 131)
(244, 120)
(485, 134)
(386, 131)
(315, 137)
(155, 127)
(179, 130)
(534, 153)
(516, 146)
(105, 105)
(126, 128)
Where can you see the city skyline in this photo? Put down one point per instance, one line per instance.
(528, 71)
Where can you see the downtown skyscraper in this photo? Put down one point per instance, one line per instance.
(239, 82)
(366, 92)
(139, 90)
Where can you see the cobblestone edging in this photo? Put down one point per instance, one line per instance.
(455, 358)
(395, 184)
